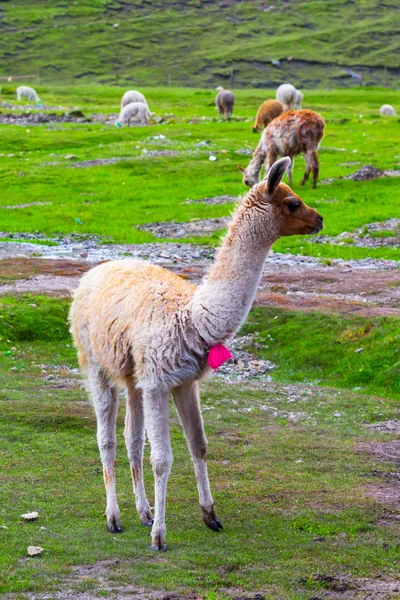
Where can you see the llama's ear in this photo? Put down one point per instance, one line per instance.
(241, 168)
(275, 174)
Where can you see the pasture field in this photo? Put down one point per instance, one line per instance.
(318, 43)
(302, 461)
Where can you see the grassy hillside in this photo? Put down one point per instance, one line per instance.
(198, 42)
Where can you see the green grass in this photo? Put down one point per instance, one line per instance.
(197, 43)
(278, 483)
(112, 200)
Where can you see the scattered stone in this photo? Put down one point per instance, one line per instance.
(32, 516)
(26, 205)
(70, 157)
(196, 227)
(215, 200)
(386, 426)
(35, 550)
(99, 162)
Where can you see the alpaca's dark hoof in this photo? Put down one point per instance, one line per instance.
(211, 520)
(146, 519)
(114, 525)
(158, 544)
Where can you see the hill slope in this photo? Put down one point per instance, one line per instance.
(199, 42)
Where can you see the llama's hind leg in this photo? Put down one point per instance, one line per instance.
(187, 402)
(105, 401)
(155, 402)
(134, 440)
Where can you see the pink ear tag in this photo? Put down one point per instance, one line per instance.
(218, 355)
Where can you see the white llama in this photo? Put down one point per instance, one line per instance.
(142, 327)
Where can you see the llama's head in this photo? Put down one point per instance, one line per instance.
(251, 175)
(291, 215)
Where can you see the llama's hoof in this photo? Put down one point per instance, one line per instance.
(146, 518)
(159, 545)
(156, 548)
(211, 520)
(114, 525)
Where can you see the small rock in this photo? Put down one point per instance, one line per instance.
(70, 156)
(212, 158)
(32, 516)
(358, 350)
(35, 550)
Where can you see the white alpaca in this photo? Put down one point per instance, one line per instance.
(132, 96)
(286, 93)
(387, 110)
(298, 101)
(24, 91)
(136, 112)
(142, 327)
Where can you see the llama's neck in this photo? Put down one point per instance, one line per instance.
(222, 302)
(254, 167)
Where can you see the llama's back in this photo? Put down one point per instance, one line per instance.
(294, 132)
(124, 310)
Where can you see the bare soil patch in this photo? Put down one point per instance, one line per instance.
(387, 489)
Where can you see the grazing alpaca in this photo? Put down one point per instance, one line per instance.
(286, 93)
(266, 113)
(387, 109)
(135, 111)
(142, 327)
(225, 102)
(290, 134)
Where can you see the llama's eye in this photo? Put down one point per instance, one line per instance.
(293, 205)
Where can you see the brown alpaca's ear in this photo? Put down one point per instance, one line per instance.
(275, 174)
(241, 168)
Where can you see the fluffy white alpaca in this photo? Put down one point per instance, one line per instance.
(387, 110)
(136, 112)
(24, 91)
(144, 328)
(286, 93)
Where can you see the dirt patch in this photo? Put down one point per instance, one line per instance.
(215, 200)
(344, 588)
(34, 116)
(150, 153)
(387, 427)
(99, 162)
(196, 227)
(26, 205)
(387, 490)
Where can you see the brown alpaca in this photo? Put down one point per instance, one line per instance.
(225, 102)
(268, 111)
(143, 328)
(292, 133)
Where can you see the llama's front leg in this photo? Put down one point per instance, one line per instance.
(134, 441)
(156, 422)
(105, 401)
(187, 401)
